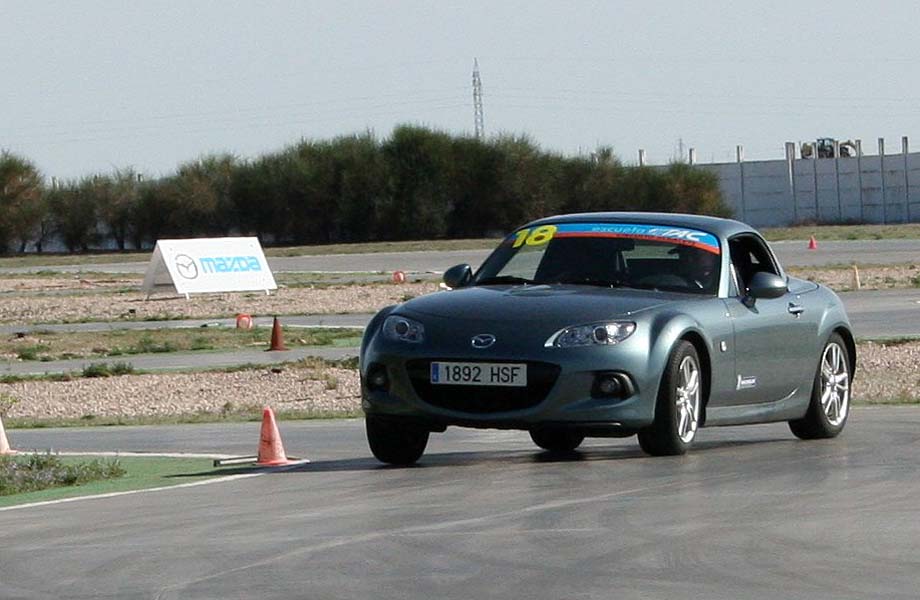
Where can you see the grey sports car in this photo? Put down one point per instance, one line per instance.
(610, 325)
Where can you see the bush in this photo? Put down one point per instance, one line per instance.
(42, 471)
(104, 370)
(417, 184)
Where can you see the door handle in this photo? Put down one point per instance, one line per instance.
(796, 309)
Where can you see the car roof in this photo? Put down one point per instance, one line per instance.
(724, 228)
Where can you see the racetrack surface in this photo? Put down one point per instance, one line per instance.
(751, 512)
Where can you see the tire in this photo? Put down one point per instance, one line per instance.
(679, 404)
(556, 439)
(830, 394)
(394, 442)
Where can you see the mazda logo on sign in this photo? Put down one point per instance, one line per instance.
(186, 266)
(483, 340)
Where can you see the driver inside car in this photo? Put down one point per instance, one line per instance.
(699, 267)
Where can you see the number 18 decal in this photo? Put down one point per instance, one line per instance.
(536, 237)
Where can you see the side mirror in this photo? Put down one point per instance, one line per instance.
(766, 285)
(458, 276)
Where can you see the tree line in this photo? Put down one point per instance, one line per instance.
(416, 184)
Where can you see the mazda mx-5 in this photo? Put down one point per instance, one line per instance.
(610, 325)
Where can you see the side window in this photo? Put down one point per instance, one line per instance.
(750, 255)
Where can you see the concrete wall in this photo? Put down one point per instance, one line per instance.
(772, 193)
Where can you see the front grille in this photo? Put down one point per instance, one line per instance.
(482, 399)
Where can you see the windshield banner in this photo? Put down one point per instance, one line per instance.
(657, 233)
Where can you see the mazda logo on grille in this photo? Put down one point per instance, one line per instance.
(483, 340)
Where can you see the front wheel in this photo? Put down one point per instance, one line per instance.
(830, 395)
(556, 439)
(394, 442)
(677, 410)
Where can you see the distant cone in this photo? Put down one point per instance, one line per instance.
(4, 443)
(271, 450)
(277, 342)
(812, 243)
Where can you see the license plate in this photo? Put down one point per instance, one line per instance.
(461, 373)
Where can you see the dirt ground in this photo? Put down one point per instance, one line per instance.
(106, 305)
(885, 373)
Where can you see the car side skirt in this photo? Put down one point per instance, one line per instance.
(793, 406)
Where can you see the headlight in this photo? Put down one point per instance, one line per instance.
(401, 329)
(603, 334)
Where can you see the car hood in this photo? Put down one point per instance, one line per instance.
(538, 303)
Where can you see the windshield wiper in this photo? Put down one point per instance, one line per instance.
(504, 279)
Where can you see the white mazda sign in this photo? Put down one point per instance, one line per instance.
(208, 265)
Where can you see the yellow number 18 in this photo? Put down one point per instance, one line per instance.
(537, 237)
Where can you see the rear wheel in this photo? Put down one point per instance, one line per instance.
(556, 439)
(830, 396)
(677, 411)
(395, 442)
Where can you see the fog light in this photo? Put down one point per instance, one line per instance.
(377, 378)
(611, 385)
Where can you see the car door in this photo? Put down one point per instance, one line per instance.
(774, 338)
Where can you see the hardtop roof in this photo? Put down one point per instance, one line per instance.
(723, 228)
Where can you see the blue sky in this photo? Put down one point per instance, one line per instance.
(93, 86)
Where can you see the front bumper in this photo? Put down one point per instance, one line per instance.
(561, 389)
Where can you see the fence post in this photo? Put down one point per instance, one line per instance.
(881, 168)
(790, 165)
(862, 216)
(905, 150)
(814, 167)
(692, 157)
(739, 156)
(837, 180)
(641, 157)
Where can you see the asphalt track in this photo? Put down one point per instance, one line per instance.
(790, 253)
(751, 512)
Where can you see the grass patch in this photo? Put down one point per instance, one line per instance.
(139, 473)
(32, 352)
(49, 345)
(843, 232)
(34, 472)
(128, 368)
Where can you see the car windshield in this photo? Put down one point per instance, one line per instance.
(631, 255)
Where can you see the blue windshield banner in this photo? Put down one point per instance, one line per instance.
(661, 233)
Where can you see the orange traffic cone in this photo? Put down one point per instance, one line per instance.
(812, 243)
(271, 450)
(4, 443)
(277, 337)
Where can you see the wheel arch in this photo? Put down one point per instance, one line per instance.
(847, 335)
(702, 350)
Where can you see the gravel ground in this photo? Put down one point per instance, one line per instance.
(308, 389)
(886, 373)
(870, 278)
(133, 306)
